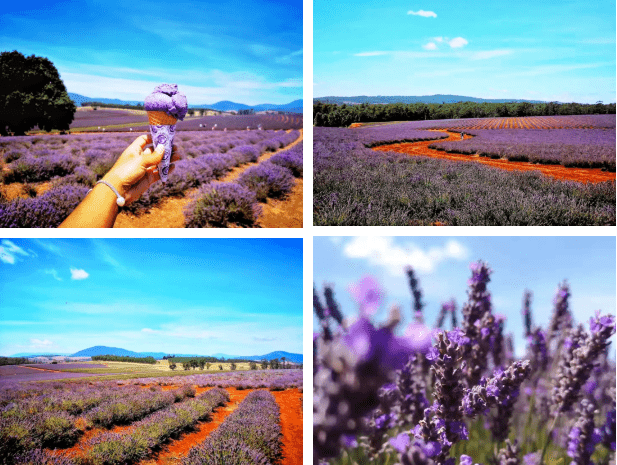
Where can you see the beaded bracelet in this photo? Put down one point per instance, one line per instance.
(120, 199)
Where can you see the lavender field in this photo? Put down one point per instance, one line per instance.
(127, 121)
(86, 422)
(45, 177)
(353, 185)
(585, 148)
(459, 395)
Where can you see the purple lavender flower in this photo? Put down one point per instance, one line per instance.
(400, 442)
(368, 294)
(417, 295)
(478, 322)
(562, 318)
(608, 430)
(578, 359)
(583, 438)
(527, 312)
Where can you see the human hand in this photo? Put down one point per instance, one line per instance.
(135, 171)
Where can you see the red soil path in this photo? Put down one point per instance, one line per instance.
(284, 213)
(290, 402)
(556, 171)
(173, 452)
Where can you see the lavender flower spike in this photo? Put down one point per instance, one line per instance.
(583, 437)
(368, 294)
(578, 360)
(417, 295)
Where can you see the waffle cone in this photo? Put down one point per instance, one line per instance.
(160, 118)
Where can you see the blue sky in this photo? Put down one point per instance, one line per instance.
(244, 51)
(526, 49)
(442, 267)
(204, 296)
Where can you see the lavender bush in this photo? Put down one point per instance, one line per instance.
(267, 180)
(250, 434)
(220, 204)
(373, 401)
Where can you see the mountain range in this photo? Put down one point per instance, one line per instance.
(104, 350)
(437, 98)
(225, 105)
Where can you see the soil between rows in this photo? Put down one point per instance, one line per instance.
(283, 213)
(289, 401)
(556, 171)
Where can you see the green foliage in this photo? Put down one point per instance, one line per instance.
(120, 358)
(333, 115)
(32, 94)
(13, 361)
(253, 365)
(172, 366)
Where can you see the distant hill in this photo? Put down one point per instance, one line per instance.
(104, 350)
(296, 358)
(438, 98)
(225, 105)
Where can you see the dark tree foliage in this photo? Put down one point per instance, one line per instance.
(333, 115)
(121, 358)
(32, 94)
(13, 361)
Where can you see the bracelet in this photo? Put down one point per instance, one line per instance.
(120, 199)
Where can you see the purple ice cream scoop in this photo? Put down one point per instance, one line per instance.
(165, 105)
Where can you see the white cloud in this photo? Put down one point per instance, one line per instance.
(424, 14)
(78, 274)
(54, 273)
(382, 251)
(457, 42)
(430, 46)
(38, 344)
(9, 252)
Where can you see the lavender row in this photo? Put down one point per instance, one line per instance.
(250, 434)
(152, 431)
(432, 396)
(353, 185)
(35, 159)
(555, 121)
(585, 148)
(258, 379)
(130, 407)
(202, 170)
(219, 204)
(50, 209)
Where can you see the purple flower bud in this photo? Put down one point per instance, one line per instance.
(400, 442)
(368, 294)
(466, 460)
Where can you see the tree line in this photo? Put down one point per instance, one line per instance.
(333, 115)
(206, 362)
(124, 358)
(13, 361)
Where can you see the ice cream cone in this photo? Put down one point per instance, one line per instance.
(163, 129)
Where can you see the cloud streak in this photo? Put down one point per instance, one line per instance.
(10, 252)
(423, 13)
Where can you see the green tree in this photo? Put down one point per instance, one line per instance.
(233, 366)
(186, 366)
(221, 367)
(253, 365)
(32, 94)
(172, 366)
(264, 364)
(202, 364)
